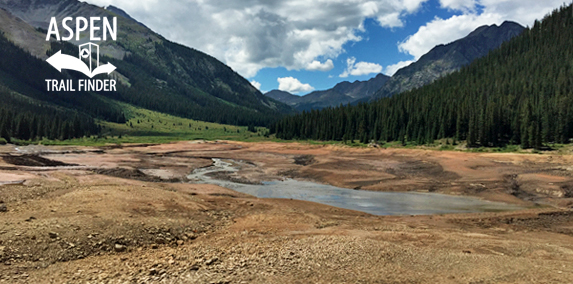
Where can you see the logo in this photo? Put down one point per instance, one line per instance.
(87, 62)
(63, 61)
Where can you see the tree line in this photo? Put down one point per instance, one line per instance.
(27, 119)
(33, 126)
(29, 112)
(521, 93)
(177, 80)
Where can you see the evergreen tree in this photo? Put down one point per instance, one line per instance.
(520, 93)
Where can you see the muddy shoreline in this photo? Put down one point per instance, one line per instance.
(125, 214)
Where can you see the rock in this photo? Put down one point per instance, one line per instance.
(30, 219)
(3, 207)
(53, 235)
(373, 145)
(211, 261)
(154, 246)
(119, 248)
(194, 267)
(152, 271)
(180, 242)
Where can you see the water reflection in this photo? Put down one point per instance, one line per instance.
(377, 203)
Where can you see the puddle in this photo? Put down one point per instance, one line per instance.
(372, 202)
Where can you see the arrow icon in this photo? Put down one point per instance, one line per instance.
(63, 61)
(107, 68)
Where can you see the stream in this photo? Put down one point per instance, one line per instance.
(372, 202)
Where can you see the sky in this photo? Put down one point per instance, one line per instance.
(300, 46)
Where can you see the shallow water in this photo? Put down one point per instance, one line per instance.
(377, 203)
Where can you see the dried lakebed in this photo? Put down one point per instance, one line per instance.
(372, 202)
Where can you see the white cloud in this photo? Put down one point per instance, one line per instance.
(392, 69)
(412, 5)
(443, 31)
(317, 66)
(524, 12)
(467, 5)
(390, 20)
(253, 34)
(360, 68)
(293, 85)
(256, 84)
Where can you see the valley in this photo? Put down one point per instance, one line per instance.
(130, 213)
(442, 152)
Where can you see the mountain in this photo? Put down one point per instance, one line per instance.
(284, 97)
(362, 89)
(153, 72)
(440, 61)
(518, 94)
(122, 13)
(342, 93)
(445, 59)
(21, 32)
(28, 112)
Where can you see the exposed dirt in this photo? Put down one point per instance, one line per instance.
(32, 161)
(304, 160)
(120, 216)
(135, 174)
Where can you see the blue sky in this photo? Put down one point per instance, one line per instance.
(304, 45)
(379, 46)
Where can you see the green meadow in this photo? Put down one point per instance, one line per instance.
(146, 126)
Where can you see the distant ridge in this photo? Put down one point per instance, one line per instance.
(445, 59)
(343, 93)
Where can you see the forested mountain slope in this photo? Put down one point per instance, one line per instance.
(445, 59)
(55, 115)
(438, 62)
(521, 93)
(155, 73)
